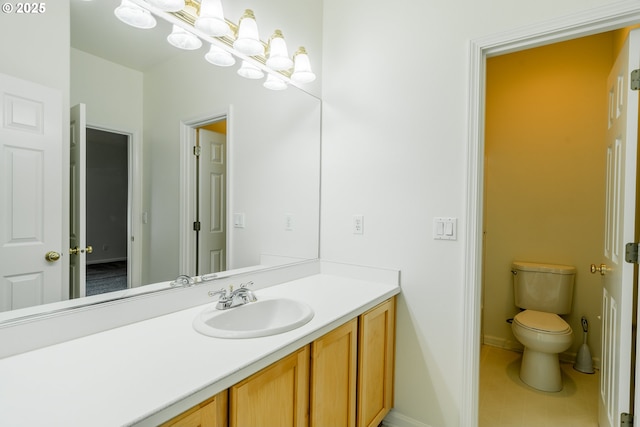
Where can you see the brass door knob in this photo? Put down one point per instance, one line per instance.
(52, 256)
(77, 250)
(602, 268)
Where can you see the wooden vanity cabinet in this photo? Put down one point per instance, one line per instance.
(276, 396)
(210, 413)
(342, 379)
(334, 363)
(376, 363)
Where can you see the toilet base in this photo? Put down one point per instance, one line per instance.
(541, 370)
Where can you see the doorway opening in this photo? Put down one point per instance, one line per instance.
(211, 198)
(204, 187)
(544, 186)
(107, 210)
(578, 25)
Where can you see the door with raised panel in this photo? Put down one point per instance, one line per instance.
(213, 202)
(618, 275)
(31, 263)
(276, 396)
(334, 365)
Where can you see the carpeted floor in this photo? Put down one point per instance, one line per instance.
(106, 277)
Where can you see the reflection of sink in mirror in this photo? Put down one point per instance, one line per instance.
(257, 319)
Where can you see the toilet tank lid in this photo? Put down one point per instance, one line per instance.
(545, 268)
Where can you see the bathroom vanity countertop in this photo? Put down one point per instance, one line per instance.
(147, 372)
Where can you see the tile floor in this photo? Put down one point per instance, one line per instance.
(505, 401)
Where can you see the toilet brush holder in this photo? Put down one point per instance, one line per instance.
(584, 363)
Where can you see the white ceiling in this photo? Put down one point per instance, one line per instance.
(96, 30)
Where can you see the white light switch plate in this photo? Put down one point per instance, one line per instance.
(445, 228)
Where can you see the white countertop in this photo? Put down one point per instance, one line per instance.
(150, 371)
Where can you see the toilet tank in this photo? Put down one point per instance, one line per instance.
(543, 287)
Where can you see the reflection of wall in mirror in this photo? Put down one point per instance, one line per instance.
(274, 149)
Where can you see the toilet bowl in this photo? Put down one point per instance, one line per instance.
(543, 336)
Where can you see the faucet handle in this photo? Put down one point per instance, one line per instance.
(222, 292)
(244, 285)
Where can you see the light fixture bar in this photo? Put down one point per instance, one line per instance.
(186, 20)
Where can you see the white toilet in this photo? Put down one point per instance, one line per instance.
(544, 291)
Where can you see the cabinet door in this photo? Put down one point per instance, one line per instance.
(276, 396)
(210, 413)
(334, 359)
(376, 363)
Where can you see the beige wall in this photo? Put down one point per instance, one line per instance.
(545, 170)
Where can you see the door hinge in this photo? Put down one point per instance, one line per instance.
(196, 226)
(635, 80)
(626, 420)
(196, 150)
(631, 253)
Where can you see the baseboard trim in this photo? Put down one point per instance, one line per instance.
(396, 419)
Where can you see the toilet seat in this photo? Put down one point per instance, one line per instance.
(539, 321)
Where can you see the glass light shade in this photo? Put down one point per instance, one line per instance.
(167, 5)
(182, 39)
(302, 67)
(250, 71)
(274, 83)
(278, 57)
(211, 19)
(132, 14)
(220, 57)
(248, 41)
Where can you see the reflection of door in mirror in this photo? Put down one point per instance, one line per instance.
(77, 201)
(30, 179)
(211, 198)
(99, 208)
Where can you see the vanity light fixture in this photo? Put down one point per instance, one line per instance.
(277, 55)
(274, 83)
(211, 19)
(134, 15)
(195, 21)
(250, 71)
(247, 41)
(183, 39)
(168, 5)
(302, 67)
(220, 57)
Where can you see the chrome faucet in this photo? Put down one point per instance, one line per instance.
(234, 298)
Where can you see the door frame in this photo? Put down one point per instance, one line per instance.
(593, 21)
(187, 186)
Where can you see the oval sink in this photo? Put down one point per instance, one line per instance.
(256, 319)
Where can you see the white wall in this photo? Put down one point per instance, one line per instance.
(112, 93)
(395, 111)
(274, 141)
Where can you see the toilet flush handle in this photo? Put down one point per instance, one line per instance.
(602, 268)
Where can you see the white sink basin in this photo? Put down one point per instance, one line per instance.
(264, 317)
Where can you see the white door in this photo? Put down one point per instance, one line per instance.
(212, 251)
(617, 292)
(30, 195)
(78, 201)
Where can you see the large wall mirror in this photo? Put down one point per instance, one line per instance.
(153, 209)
